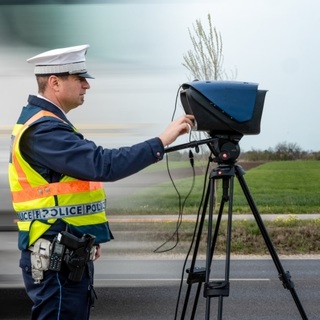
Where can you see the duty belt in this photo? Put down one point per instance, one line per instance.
(62, 211)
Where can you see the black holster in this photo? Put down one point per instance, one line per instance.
(77, 253)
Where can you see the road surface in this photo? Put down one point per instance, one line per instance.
(144, 287)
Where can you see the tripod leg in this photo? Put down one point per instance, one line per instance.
(220, 308)
(216, 231)
(196, 299)
(219, 288)
(210, 248)
(283, 276)
(196, 275)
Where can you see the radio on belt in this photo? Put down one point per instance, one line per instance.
(56, 258)
(74, 251)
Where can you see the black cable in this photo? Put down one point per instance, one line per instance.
(193, 238)
(181, 204)
(181, 208)
(176, 103)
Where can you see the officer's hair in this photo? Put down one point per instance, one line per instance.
(42, 81)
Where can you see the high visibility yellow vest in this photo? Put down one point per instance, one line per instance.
(80, 204)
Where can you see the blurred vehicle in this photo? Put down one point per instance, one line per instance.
(137, 68)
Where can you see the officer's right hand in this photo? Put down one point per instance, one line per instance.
(177, 128)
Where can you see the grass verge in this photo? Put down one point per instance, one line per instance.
(289, 236)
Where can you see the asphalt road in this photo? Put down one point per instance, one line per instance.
(255, 293)
(248, 300)
(144, 287)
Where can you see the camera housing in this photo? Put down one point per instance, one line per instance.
(230, 108)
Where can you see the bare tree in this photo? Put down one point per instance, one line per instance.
(288, 151)
(205, 61)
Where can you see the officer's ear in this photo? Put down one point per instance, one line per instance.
(54, 82)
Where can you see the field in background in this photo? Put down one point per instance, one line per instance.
(277, 187)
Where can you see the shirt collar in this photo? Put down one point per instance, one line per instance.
(42, 97)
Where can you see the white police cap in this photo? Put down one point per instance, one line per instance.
(69, 60)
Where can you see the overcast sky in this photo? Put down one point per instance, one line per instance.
(136, 56)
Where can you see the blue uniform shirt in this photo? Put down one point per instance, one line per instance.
(53, 149)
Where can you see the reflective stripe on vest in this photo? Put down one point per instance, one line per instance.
(62, 211)
(52, 189)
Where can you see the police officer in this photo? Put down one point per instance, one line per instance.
(56, 180)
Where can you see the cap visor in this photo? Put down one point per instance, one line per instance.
(84, 75)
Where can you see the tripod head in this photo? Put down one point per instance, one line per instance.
(226, 149)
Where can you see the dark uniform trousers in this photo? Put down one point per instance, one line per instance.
(56, 297)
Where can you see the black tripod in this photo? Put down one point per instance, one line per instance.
(226, 170)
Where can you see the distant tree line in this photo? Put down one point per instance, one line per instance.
(283, 151)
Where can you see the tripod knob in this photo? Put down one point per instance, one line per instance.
(229, 152)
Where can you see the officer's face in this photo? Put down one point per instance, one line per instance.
(71, 91)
